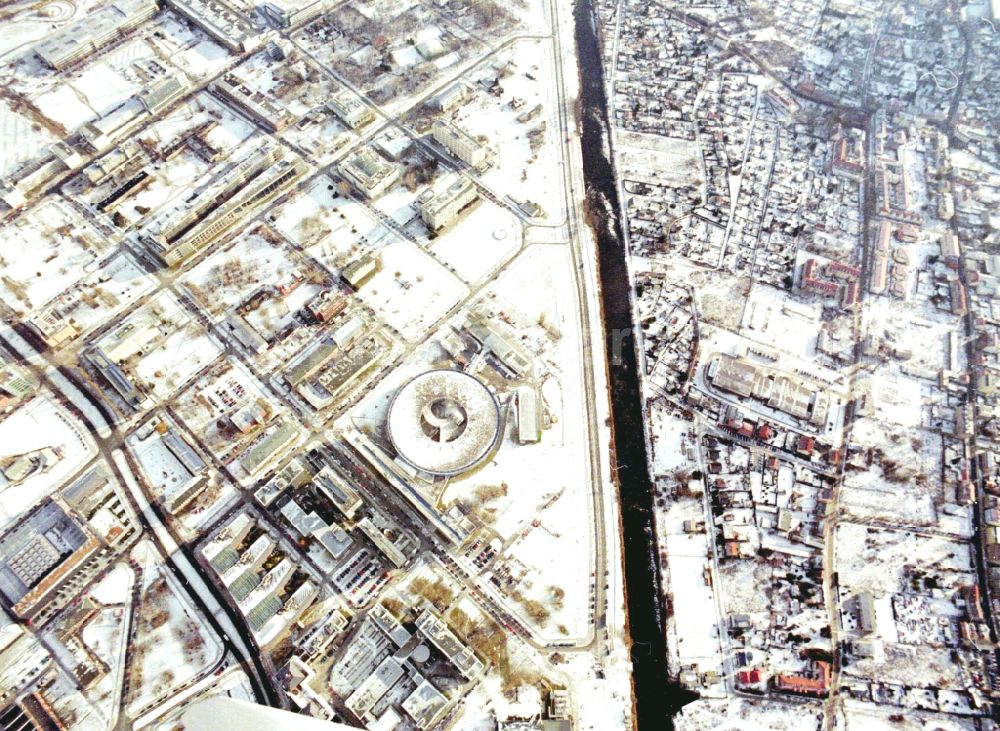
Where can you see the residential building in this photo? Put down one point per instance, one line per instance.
(460, 143)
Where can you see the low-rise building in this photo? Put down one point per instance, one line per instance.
(163, 93)
(452, 98)
(361, 270)
(350, 110)
(528, 430)
(369, 172)
(326, 305)
(221, 21)
(267, 450)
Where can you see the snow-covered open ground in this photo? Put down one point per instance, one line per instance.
(412, 291)
(41, 423)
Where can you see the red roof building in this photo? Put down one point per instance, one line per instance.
(749, 677)
(816, 684)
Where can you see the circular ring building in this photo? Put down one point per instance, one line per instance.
(443, 422)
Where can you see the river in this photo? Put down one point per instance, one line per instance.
(658, 698)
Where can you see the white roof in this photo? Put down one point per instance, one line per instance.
(220, 713)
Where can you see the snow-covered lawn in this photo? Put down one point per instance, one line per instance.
(22, 140)
(484, 237)
(230, 275)
(172, 646)
(334, 229)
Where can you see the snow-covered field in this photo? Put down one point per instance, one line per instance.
(104, 293)
(54, 250)
(23, 141)
(875, 559)
(38, 424)
(231, 274)
(412, 291)
(174, 346)
(334, 229)
(739, 714)
(215, 397)
(523, 170)
(481, 240)
(696, 625)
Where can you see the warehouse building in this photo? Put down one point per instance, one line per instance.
(777, 390)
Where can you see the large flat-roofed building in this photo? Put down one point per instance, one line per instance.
(388, 672)
(252, 103)
(221, 21)
(335, 365)
(251, 185)
(443, 422)
(441, 204)
(460, 143)
(22, 660)
(501, 344)
(733, 375)
(163, 93)
(780, 391)
(286, 13)
(97, 29)
(369, 172)
(268, 449)
(382, 672)
(350, 110)
(39, 554)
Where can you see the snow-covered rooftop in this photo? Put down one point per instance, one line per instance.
(443, 422)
